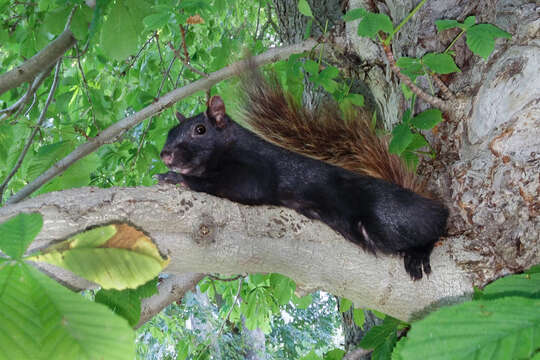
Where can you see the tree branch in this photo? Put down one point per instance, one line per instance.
(35, 65)
(34, 132)
(446, 106)
(204, 234)
(116, 130)
(170, 290)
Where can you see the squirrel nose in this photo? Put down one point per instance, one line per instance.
(167, 157)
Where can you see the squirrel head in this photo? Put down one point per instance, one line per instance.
(194, 147)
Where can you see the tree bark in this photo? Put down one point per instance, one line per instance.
(35, 65)
(205, 234)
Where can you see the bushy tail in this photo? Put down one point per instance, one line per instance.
(323, 133)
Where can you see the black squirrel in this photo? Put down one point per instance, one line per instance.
(369, 197)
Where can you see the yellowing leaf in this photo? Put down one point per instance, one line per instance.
(114, 256)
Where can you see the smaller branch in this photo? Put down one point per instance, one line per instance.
(17, 106)
(34, 132)
(270, 20)
(161, 62)
(170, 290)
(187, 64)
(441, 85)
(183, 31)
(114, 131)
(255, 36)
(42, 60)
(85, 83)
(139, 52)
(225, 279)
(435, 101)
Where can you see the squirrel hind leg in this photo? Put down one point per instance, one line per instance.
(416, 261)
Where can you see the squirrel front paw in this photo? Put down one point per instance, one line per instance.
(170, 177)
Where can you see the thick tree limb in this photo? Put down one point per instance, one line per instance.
(170, 290)
(205, 234)
(114, 131)
(35, 65)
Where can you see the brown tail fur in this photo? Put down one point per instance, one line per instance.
(324, 133)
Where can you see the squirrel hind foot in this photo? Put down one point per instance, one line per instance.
(416, 261)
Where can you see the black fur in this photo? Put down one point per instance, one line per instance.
(231, 162)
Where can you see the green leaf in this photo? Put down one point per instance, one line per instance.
(378, 335)
(76, 175)
(355, 99)
(344, 304)
(469, 21)
(354, 14)
(311, 356)
(525, 285)
(440, 63)
(307, 32)
(533, 269)
(481, 38)
(18, 232)
(125, 303)
(412, 67)
(336, 354)
(417, 142)
(359, 317)
(427, 119)
(372, 23)
(304, 8)
(40, 319)
(311, 67)
(122, 28)
(156, 21)
(125, 260)
(506, 328)
(446, 24)
(401, 138)
(303, 302)
(283, 288)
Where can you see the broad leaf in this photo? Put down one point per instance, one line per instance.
(426, 120)
(401, 138)
(40, 319)
(304, 8)
(18, 232)
(481, 38)
(526, 285)
(506, 328)
(372, 23)
(114, 256)
(440, 63)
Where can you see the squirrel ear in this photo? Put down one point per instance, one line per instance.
(180, 117)
(216, 110)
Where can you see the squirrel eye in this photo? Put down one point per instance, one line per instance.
(200, 129)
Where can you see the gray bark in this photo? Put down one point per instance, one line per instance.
(205, 234)
(35, 65)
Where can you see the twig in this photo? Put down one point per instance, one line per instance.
(33, 134)
(184, 45)
(139, 52)
(87, 91)
(116, 130)
(225, 279)
(24, 99)
(435, 101)
(161, 61)
(255, 36)
(178, 55)
(35, 65)
(446, 91)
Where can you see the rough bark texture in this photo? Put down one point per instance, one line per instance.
(488, 161)
(205, 234)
